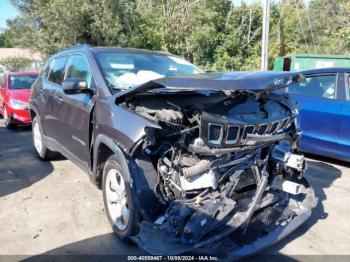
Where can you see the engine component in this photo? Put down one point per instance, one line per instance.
(296, 161)
(288, 186)
(196, 169)
(281, 153)
(206, 180)
(169, 116)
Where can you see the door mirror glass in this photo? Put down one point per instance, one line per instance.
(74, 85)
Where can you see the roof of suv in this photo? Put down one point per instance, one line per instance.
(102, 49)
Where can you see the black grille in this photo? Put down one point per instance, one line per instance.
(247, 130)
(215, 133)
(262, 129)
(232, 134)
(229, 134)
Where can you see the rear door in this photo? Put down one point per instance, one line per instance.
(319, 114)
(74, 112)
(51, 103)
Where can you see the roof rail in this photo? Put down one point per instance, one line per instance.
(72, 47)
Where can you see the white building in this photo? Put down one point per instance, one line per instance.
(36, 57)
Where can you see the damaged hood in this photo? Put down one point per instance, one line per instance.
(216, 82)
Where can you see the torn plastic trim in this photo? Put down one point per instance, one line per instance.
(254, 138)
(304, 212)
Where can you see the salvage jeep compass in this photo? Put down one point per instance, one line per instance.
(187, 161)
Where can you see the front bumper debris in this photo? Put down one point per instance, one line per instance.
(276, 216)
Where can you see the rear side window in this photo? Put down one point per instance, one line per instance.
(78, 68)
(322, 86)
(57, 70)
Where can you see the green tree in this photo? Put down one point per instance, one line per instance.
(5, 41)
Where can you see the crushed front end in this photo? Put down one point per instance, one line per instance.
(221, 174)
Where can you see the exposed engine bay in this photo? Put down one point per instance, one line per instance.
(216, 163)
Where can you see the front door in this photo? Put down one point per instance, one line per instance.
(73, 124)
(319, 114)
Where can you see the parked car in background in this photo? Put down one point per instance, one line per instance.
(300, 62)
(186, 160)
(324, 99)
(14, 97)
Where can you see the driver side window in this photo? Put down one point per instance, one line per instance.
(78, 68)
(322, 86)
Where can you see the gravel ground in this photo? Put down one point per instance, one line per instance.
(53, 208)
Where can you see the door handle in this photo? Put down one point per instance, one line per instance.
(59, 99)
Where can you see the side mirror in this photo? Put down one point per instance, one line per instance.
(74, 85)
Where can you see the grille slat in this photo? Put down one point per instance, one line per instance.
(283, 124)
(247, 130)
(262, 129)
(232, 134)
(215, 132)
(274, 127)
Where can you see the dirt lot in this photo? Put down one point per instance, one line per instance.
(53, 208)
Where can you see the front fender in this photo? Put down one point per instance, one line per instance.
(124, 126)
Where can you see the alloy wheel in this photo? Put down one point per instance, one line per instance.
(117, 203)
(37, 137)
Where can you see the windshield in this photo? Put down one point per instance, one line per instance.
(22, 81)
(126, 70)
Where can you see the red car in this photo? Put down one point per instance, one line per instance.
(14, 97)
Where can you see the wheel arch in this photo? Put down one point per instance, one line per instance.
(104, 147)
(33, 112)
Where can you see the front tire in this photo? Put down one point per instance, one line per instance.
(118, 200)
(7, 120)
(43, 152)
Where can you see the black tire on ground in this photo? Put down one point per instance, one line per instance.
(132, 225)
(7, 120)
(42, 151)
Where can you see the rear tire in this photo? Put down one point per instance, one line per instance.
(118, 200)
(43, 152)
